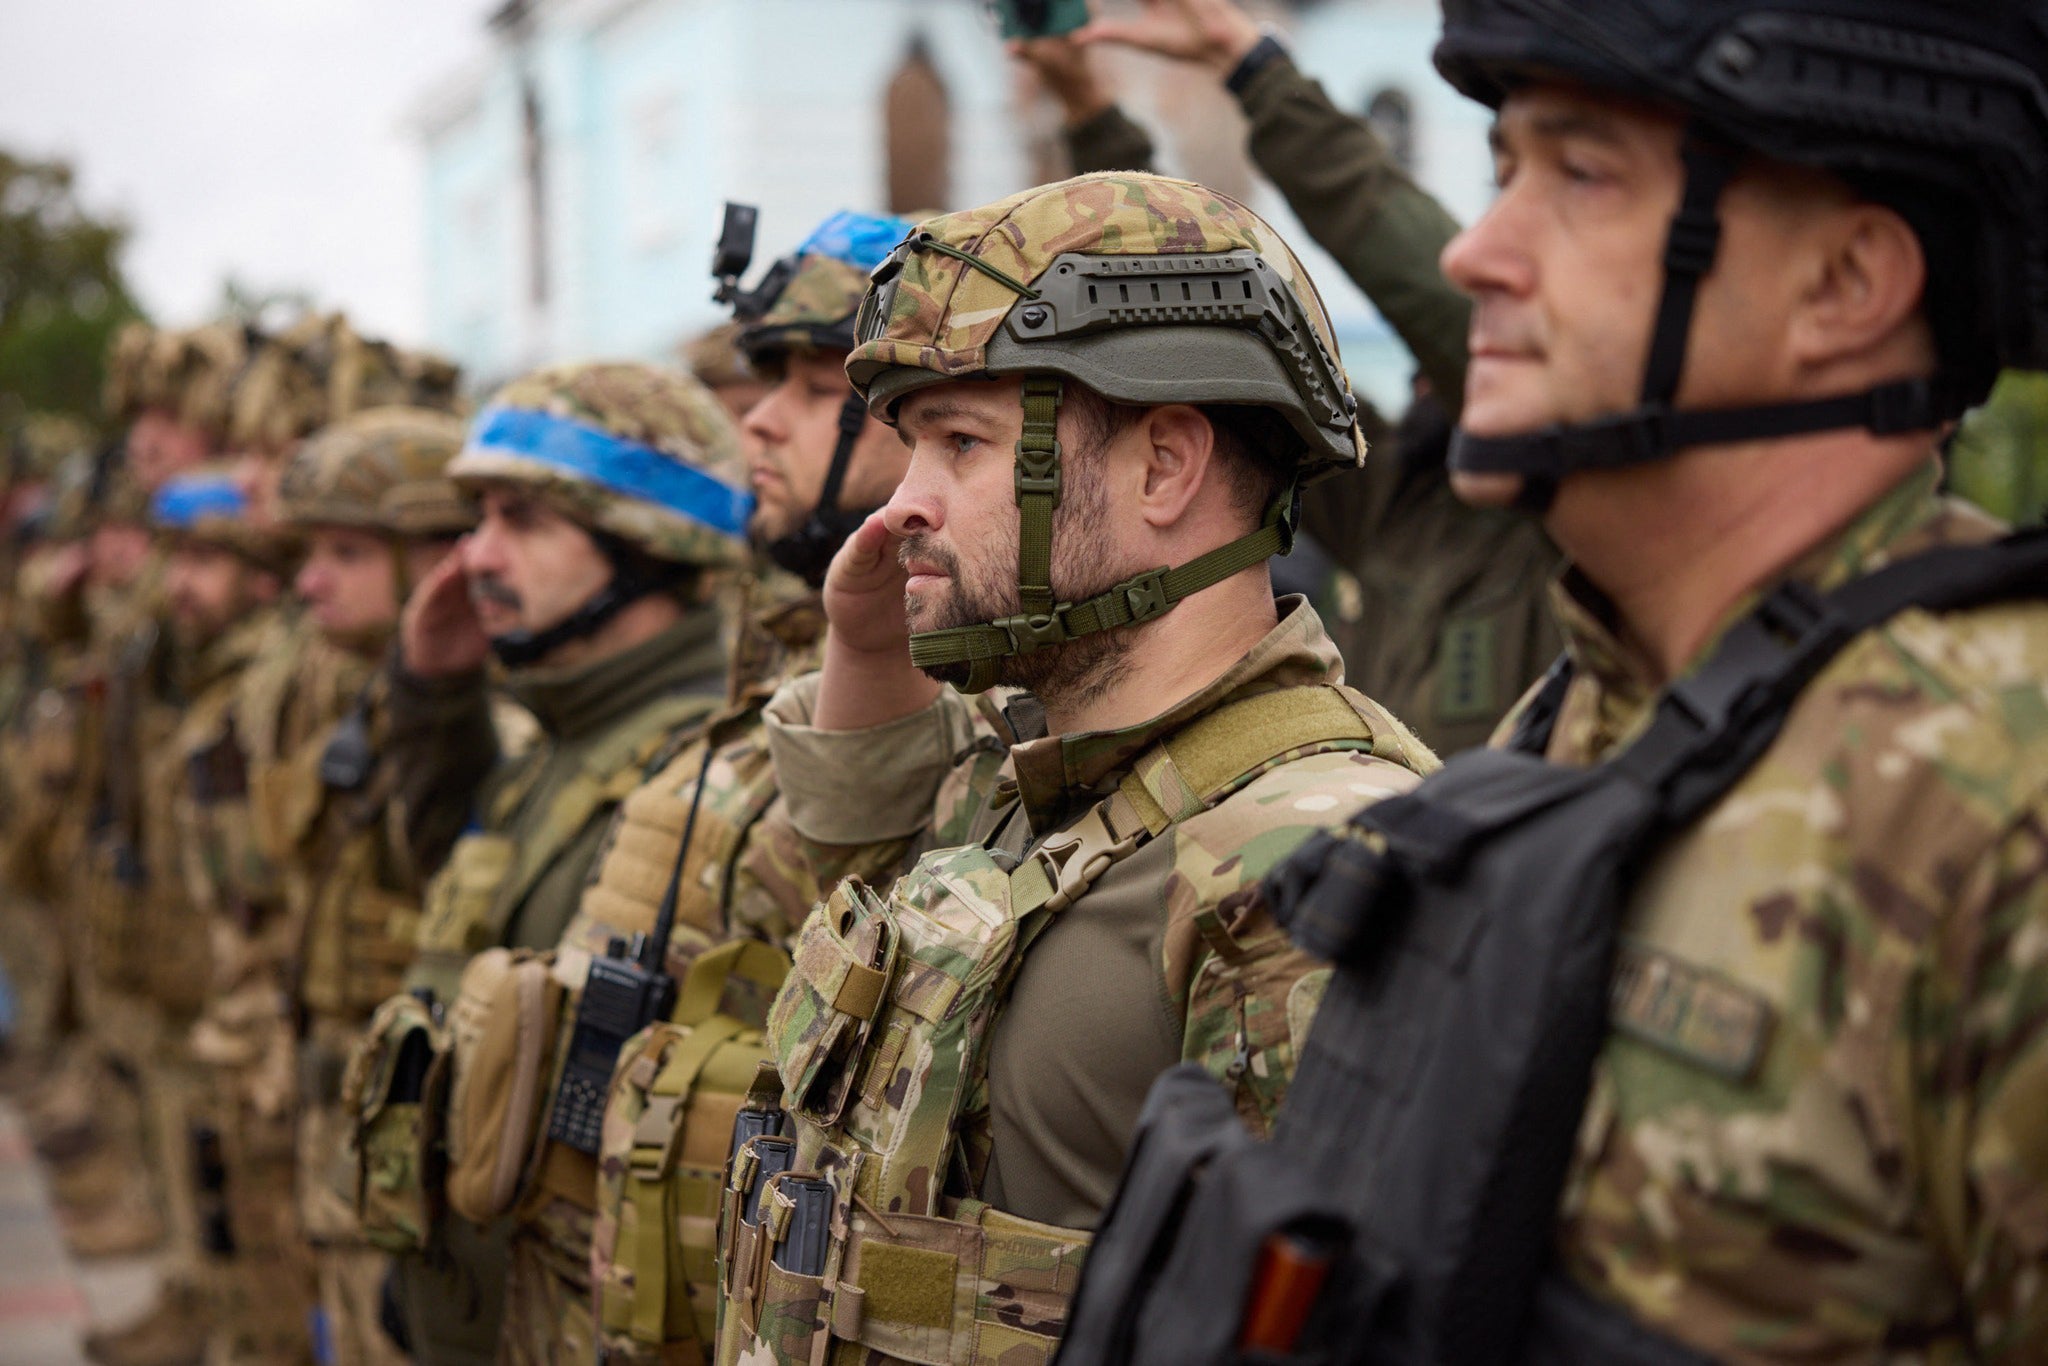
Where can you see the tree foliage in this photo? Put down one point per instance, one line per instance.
(62, 292)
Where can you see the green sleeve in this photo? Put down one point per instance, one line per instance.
(1384, 229)
(1109, 142)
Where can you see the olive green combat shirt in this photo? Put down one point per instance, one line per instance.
(1454, 620)
(443, 734)
(1819, 1130)
(1125, 983)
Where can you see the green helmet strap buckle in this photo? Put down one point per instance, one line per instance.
(1038, 472)
(1146, 595)
(1030, 632)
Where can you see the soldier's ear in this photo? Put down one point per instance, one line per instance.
(1177, 447)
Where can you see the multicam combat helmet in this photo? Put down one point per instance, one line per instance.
(189, 373)
(806, 304)
(320, 370)
(645, 459)
(1147, 290)
(383, 470)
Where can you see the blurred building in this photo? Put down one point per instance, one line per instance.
(575, 171)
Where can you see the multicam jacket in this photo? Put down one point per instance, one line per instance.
(1174, 957)
(1819, 1131)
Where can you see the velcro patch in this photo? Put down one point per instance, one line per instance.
(1698, 1014)
(908, 1284)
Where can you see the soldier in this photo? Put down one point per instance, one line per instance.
(734, 882)
(371, 496)
(715, 358)
(609, 492)
(1453, 619)
(963, 1060)
(221, 577)
(1747, 264)
(255, 787)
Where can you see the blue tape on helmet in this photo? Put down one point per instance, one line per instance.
(861, 240)
(625, 467)
(183, 503)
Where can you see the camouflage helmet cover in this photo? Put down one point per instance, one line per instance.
(1145, 289)
(715, 358)
(191, 374)
(643, 454)
(814, 309)
(320, 370)
(384, 469)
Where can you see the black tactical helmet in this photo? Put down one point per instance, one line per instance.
(1937, 108)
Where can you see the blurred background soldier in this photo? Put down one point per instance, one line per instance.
(371, 497)
(249, 808)
(715, 358)
(1452, 620)
(171, 388)
(221, 577)
(608, 491)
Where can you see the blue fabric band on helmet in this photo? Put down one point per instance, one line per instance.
(185, 502)
(861, 240)
(625, 467)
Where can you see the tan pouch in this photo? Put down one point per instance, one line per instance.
(507, 1016)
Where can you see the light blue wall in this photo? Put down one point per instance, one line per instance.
(659, 110)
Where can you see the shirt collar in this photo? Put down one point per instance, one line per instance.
(1055, 771)
(1615, 681)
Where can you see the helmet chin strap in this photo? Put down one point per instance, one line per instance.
(627, 585)
(1655, 429)
(807, 552)
(1045, 621)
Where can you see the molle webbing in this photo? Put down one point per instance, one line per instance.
(1184, 775)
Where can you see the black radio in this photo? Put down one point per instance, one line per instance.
(628, 989)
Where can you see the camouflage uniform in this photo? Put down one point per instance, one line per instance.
(1453, 619)
(606, 727)
(1852, 1166)
(348, 880)
(1107, 937)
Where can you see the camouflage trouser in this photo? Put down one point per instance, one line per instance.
(32, 951)
(548, 1318)
(349, 1270)
(270, 1283)
(172, 1095)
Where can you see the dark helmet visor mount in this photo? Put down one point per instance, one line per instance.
(1758, 72)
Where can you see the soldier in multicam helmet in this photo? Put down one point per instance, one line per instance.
(372, 498)
(1093, 379)
(609, 493)
(1451, 619)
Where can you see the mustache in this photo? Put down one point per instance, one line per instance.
(492, 589)
(922, 547)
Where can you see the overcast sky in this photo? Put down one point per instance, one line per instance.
(260, 138)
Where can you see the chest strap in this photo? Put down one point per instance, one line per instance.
(1186, 774)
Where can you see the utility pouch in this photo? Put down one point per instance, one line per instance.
(504, 1027)
(679, 1093)
(394, 1092)
(844, 956)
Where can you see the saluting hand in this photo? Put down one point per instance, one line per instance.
(1214, 33)
(868, 678)
(438, 631)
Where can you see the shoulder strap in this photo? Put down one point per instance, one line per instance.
(613, 767)
(1185, 774)
(1710, 727)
